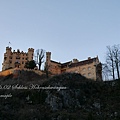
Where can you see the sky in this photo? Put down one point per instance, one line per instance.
(66, 28)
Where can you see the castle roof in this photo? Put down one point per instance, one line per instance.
(80, 63)
(65, 64)
(71, 64)
(55, 62)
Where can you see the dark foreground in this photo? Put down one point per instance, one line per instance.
(64, 97)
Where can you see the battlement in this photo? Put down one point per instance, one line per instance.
(48, 53)
(8, 49)
(90, 68)
(10, 58)
(30, 50)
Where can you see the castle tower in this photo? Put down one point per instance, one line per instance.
(97, 69)
(16, 58)
(6, 61)
(30, 54)
(48, 57)
(8, 49)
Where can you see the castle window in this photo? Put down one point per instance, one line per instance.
(10, 61)
(23, 58)
(76, 71)
(84, 75)
(10, 57)
(17, 61)
(89, 68)
(22, 62)
(17, 57)
(83, 69)
(55, 66)
(89, 74)
(5, 58)
(26, 59)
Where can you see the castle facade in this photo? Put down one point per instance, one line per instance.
(14, 58)
(90, 68)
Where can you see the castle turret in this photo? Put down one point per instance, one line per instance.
(16, 58)
(8, 49)
(48, 57)
(6, 61)
(30, 54)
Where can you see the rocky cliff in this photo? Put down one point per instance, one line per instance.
(67, 96)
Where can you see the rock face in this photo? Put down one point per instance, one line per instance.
(85, 98)
(68, 96)
(63, 99)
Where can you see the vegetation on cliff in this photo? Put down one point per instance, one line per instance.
(68, 96)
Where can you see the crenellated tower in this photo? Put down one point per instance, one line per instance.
(48, 57)
(30, 54)
(16, 58)
(6, 61)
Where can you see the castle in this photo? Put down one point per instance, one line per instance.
(16, 58)
(90, 68)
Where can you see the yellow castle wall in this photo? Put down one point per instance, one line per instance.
(11, 57)
(54, 68)
(88, 70)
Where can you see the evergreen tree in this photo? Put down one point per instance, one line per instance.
(30, 64)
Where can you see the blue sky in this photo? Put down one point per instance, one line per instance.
(68, 28)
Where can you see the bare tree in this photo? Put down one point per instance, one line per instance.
(116, 55)
(40, 54)
(110, 61)
(113, 60)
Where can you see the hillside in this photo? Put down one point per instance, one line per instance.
(67, 96)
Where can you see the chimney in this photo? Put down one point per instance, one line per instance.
(89, 58)
(75, 61)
